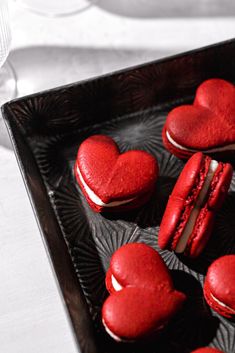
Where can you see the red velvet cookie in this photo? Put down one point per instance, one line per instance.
(207, 350)
(142, 297)
(219, 286)
(207, 125)
(111, 180)
(198, 193)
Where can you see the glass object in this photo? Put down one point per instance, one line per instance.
(56, 8)
(7, 76)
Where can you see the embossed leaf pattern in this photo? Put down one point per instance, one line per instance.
(45, 114)
(128, 132)
(225, 338)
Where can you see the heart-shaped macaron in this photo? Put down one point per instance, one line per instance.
(113, 180)
(219, 286)
(208, 125)
(142, 297)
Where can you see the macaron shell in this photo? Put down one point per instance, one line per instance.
(137, 264)
(220, 185)
(147, 300)
(108, 282)
(207, 350)
(189, 175)
(134, 173)
(201, 233)
(223, 311)
(90, 153)
(220, 282)
(135, 313)
(113, 176)
(205, 220)
(180, 153)
(218, 95)
(169, 222)
(186, 154)
(187, 120)
(210, 118)
(177, 203)
(183, 199)
(137, 202)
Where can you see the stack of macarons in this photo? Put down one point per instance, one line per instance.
(114, 181)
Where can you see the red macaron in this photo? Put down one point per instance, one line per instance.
(207, 350)
(207, 125)
(189, 216)
(142, 297)
(219, 286)
(111, 180)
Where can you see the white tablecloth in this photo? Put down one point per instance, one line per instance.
(32, 318)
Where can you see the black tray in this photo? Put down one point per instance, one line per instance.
(130, 106)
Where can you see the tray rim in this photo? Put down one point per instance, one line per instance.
(18, 140)
(66, 300)
(166, 59)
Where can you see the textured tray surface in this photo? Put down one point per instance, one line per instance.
(131, 107)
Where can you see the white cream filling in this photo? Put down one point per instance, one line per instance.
(221, 304)
(182, 243)
(95, 199)
(116, 338)
(117, 286)
(219, 149)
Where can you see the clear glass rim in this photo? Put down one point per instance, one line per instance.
(56, 14)
(8, 91)
(11, 68)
